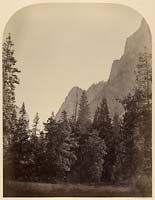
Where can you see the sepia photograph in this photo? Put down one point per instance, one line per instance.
(77, 101)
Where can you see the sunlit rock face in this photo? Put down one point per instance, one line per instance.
(121, 80)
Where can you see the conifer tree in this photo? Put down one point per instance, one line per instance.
(144, 78)
(35, 129)
(74, 138)
(102, 123)
(68, 153)
(126, 144)
(116, 124)
(49, 168)
(116, 129)
(60, 156)
(136, 127)
(10, 80)
(83, 120)
(36, 148)
(143, 131)
(20, 147)
(92, 152)
(73, 125)
(8, 159)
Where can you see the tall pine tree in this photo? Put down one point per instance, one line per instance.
(10, 80)
(36, 151)
(83, 120)
(92, 157)
(116, 129)
(144, 113)
(102, 123)
(20, 147)
(136, 130)
(60, 156)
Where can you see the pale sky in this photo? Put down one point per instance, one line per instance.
(59, 46)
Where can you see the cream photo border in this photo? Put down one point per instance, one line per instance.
(145, 7)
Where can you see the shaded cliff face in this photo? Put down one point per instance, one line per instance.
(122, 77)
(73, 99)
(70, 102)
(122, 71)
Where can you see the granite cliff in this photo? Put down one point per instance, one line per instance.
(121, 80)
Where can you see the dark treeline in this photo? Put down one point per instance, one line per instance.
(110, 150)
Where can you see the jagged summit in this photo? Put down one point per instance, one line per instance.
(121, 80)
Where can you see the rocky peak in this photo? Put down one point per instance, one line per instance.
(123, 70)
(94, 89)
(121, 80)
(72, 99)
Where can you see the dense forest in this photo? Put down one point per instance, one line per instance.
(106, 150)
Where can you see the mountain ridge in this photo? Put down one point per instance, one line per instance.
(121, 79)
